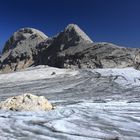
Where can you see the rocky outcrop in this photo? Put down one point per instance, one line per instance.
(71, 38)
(19, 50)
(101, 55)
(26, 102)
(71, 48)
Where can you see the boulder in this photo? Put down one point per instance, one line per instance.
(26, 102)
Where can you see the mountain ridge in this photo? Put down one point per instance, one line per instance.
(71, 48)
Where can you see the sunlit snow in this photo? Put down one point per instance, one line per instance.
(101, 104)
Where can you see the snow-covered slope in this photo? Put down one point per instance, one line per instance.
(37, 73)
(101, 104)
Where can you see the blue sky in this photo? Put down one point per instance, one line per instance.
(115, 21)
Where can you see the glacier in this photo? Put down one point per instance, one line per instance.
(99, 104)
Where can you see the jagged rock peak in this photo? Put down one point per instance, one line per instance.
(22, 35)
(76, 29)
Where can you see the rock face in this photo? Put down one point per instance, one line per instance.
(26, 102)
(73, 34)
(101, 55)
(19, 50)
(71, 48)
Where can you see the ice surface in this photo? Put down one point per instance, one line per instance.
(122, 76)
(40, 72)
(101, 104)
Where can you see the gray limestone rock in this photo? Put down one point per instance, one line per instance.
(19, 50)
(71, 48)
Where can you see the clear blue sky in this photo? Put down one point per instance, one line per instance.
(116, 21)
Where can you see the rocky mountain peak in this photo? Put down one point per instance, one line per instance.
(71, 36)
(20, 49)
(71, 48)
(22, 35)
(74, 30)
